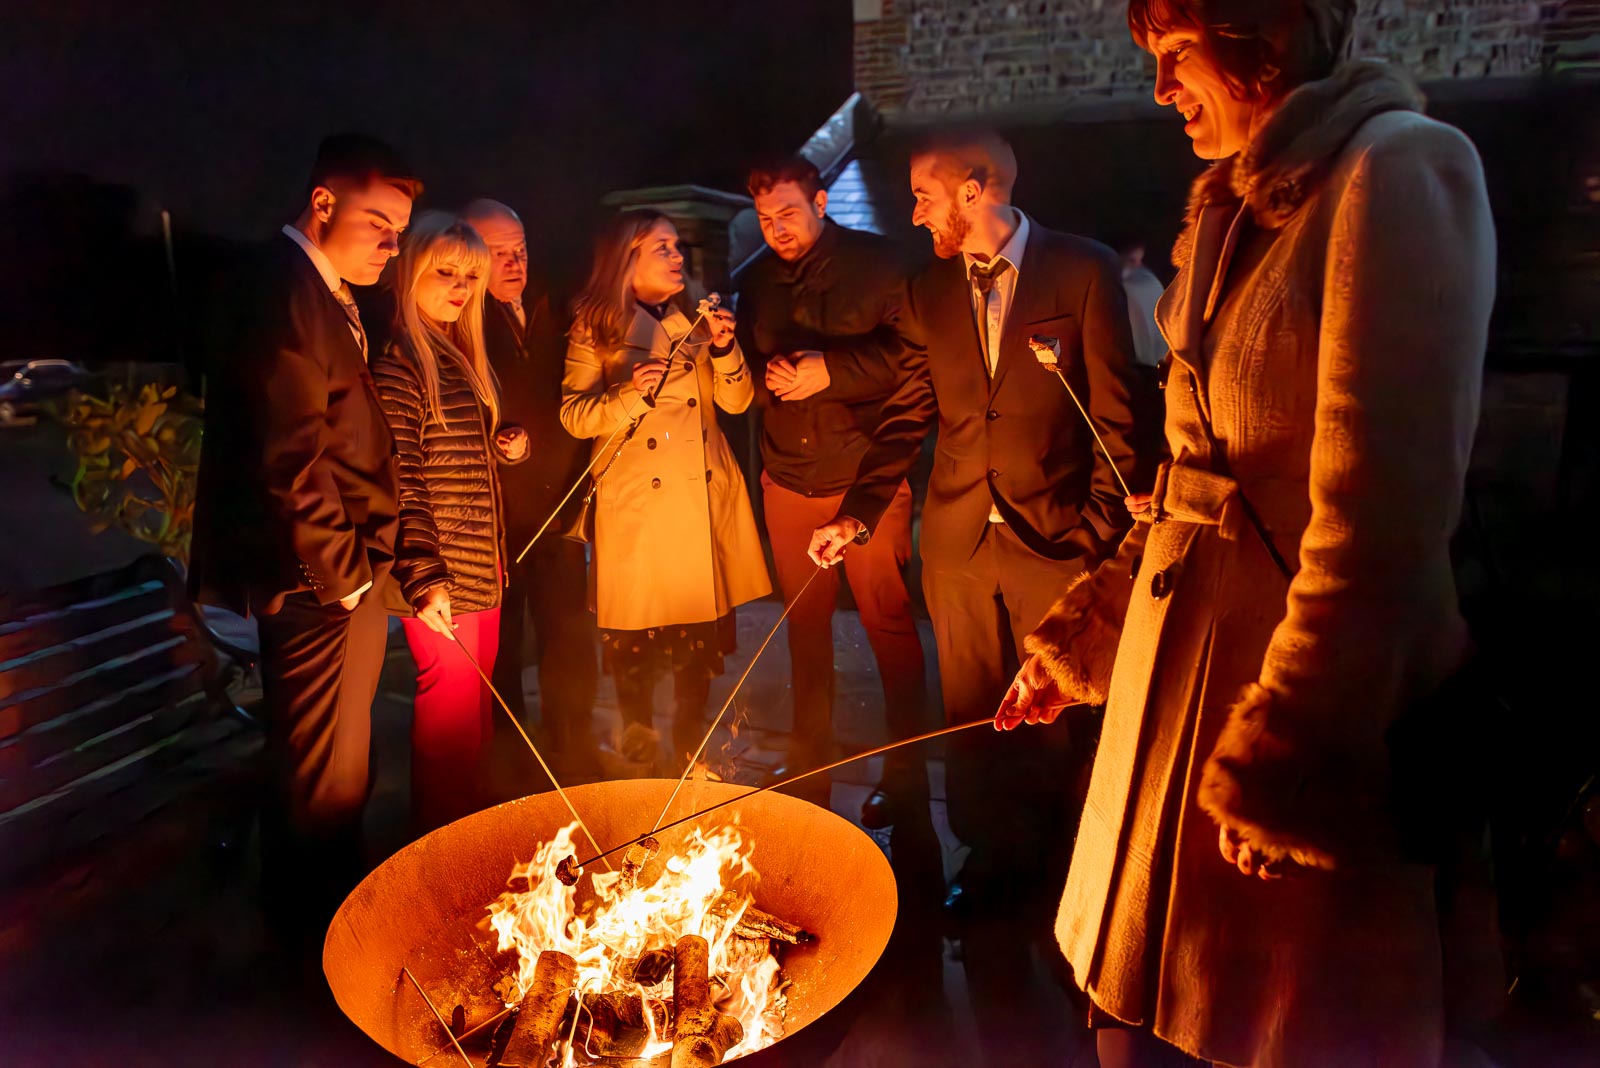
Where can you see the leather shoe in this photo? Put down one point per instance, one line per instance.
(878, 811)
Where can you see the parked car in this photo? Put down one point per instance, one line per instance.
(24, 384)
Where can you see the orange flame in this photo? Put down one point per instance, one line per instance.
(703, 888)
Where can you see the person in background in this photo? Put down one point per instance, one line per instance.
(1241, 891)
(439, 397)
(1143, 289)
(526, 351)
(1021, 501)
(676, 547)
(817, 319)
(296, 514)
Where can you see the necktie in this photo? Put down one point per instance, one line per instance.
(522, 316)
(985, 274)
(347, 301)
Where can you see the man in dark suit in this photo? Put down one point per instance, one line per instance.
(527, 348)
(296, 507)
(1021, 501)
(815, 318)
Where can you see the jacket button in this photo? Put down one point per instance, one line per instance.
(650, 444)
(993, 415)
(1161, 583)
(993, 473)
(692, 402)
(1138, 559)
(655, 483)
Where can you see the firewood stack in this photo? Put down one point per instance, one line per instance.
(703, 1035)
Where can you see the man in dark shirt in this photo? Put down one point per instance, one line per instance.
(818, 314)
(527, 351)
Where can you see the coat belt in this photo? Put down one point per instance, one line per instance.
(1186, 494)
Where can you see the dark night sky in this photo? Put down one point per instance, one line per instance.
(214, 110)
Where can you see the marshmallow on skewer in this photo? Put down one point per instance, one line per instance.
(1047, 350)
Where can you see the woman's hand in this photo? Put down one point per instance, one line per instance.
(1138, 504)
(512, 441)
(434, 610)
(1034, 697)
(721, 323)
(647, 375)
(1250, 859)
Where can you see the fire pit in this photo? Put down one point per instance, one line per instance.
(426, 909)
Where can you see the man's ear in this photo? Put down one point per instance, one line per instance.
(322, 201)
(820, 202)
(971, 192)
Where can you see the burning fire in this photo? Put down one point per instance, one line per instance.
(614, 930)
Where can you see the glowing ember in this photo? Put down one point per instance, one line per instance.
(621, 929)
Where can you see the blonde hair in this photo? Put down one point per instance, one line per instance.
(603, 311)
(437, 238)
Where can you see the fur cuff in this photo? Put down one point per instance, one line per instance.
(1077, 643)
(1285, 793)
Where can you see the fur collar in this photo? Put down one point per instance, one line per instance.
(1295, 149)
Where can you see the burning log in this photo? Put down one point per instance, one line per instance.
(539, 1016)
(653, 967)
(703, 1035)
(757, 924)
(615, 1024)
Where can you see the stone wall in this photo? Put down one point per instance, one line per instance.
(918, 58)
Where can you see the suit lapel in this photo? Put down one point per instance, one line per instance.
(952, 304)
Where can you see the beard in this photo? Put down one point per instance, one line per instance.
(947, 242)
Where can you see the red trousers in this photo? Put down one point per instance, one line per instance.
(454, 717)
(879, 589)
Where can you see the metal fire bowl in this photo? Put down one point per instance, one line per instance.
(424, 907)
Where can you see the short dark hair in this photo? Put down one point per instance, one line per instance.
(355, 157)
(974, 152)
(769, 174)
(1264, 47)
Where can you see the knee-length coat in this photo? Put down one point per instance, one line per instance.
(675, 538)
(1328, 323)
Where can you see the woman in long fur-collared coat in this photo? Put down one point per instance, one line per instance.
(1237, 889)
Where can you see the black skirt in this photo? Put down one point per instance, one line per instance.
(677, 646)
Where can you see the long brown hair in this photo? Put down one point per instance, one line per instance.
(603, 310)
(438, 238)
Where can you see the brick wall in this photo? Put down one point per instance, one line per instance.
(934, 57)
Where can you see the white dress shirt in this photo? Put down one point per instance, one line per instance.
(991, 309)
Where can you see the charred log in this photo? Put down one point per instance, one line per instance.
(618, 1024)
(703, 1035)
(539, 1015)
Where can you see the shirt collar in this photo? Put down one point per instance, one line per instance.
(319, 259)
(1011, 251)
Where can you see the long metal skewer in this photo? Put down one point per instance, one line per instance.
(429, 1002)
(531, 747)
(689, 767)
(987, 721)
(1126, 492)
(468, 1033)
(597, 453)
(1047, 350)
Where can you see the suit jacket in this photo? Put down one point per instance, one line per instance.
(1015, 440)
(297, 488)
(528, 362)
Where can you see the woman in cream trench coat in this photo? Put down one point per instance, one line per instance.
(675, 539)
(1327, 329)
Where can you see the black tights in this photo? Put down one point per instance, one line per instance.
(691, 687)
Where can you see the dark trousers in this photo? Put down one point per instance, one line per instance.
(876, 575)
(1013, 797)
(319, 672)
(552, 584)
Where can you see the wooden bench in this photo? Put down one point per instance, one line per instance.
(114, 702)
